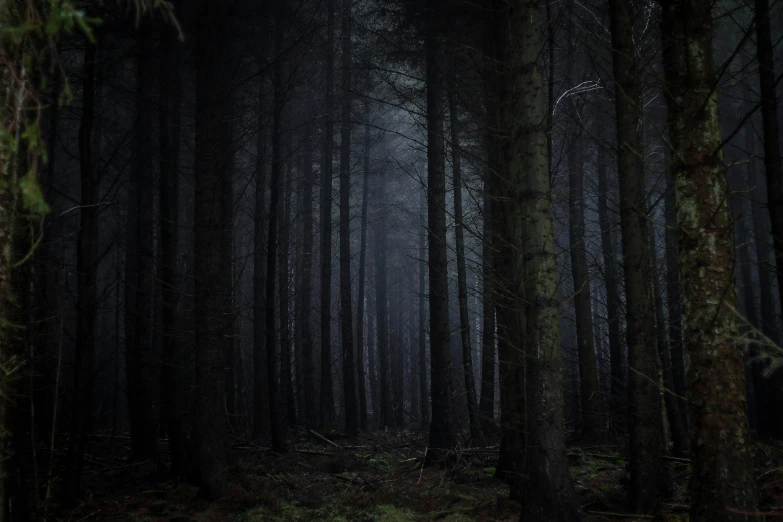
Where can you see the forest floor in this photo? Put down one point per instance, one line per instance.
(377, 477)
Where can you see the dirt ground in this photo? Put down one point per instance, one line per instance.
(378, 477)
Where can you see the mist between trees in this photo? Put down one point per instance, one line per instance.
(428, 238)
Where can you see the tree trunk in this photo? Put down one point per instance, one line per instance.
(505, 221)
(462, 284)
(173, 402)
(442, 430)
(549, 493)
(286, 380)
(616, 369)
(487, 404)
(362, 269)
(346, 308)
(679, 434)
(386, 414)
(86, 266)
(278, 423)
(774, 172)
(425, 399)
(644, 409)
(260, 384)
(674, 303)
(140, 273)
(211, 274)
(722, 479)
(327, 393)
(310, 415)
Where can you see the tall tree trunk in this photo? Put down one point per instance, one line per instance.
(588, 374)
(674, 302)
(386, 413)
(722, 485)
(173, 367)
(362, 269)
(425, 399)
(260, 384)
(372, 359)
(346, 308)
(278, 423)
(397, 372)
(774, 172)
(505, 221)
(462, 284)
(767, 317)
(286, 380)
(679, 434)
(140, 278)
(86, 265)
(442, 430)
(327, 392)
(211, 273)
(487, 404)
(646, 466)
(549, 493)
(310, 415)
(616, 369)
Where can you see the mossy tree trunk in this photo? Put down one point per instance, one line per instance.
(722, 486)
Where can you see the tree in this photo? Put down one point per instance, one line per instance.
(212, 276)
(548, 493)
(442, 432)
(172, 366)
(346, 308)
(722, 485)
(327, 393)
(462, 285)
(647, 469)
(362, 268)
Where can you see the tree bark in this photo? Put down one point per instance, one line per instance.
(173, 366)
(305, 292)
(278, 422)
(286, 379)
(211, 274)
(386, 414)
(644, 409)
(722, 484)
(346, 308)
(462, 285)
(487, 404)
(423, 388)
(548, 493)
(326, 418)
(140, 278)
(360, 341)
(443, 434)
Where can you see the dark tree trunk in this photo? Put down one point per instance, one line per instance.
(487, 404)
(327, 393)
(442, 430)
(86, 265)
(346, 308)
(140, 273)
(616, 367)
(674, 303)
(644, 410)
(211, 273)
(774, 172)
(360, 341)
(548, 492)
(462, 284)
(278, 423)
(722, 484)
(173, 404)
(286, 380)
(386, 414)
(425, 399)
(260, 384)
(679, 434)
(309, 417)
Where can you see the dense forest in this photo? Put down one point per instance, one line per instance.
(391, 260)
